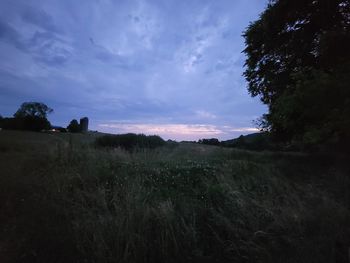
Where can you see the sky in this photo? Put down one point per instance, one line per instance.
(167, 67)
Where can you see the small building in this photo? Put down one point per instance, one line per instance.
(84, 124)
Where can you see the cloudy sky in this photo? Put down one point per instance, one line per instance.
(167, 67)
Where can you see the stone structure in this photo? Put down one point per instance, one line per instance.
(84, 124)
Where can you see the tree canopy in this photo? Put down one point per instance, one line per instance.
(298, 63)
(30, 116)
(33, 109)
(74, 126)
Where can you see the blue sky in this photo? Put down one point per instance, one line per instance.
(170, 67)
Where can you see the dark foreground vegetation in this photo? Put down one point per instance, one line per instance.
(130, 141)
(64, 200)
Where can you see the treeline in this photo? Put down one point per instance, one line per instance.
(255, 141)
(130, 141)
(25, 123)
(32, 116)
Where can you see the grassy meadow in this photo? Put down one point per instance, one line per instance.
(65, 200)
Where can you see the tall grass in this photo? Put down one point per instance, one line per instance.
(69, 202)
(130, 141)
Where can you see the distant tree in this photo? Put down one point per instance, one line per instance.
(130, 141)
(298, 62)
(33, 109)
(212, 141)
(74, 126)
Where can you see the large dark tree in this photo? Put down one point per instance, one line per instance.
(298, 62)
(33, 109)
(30, 116)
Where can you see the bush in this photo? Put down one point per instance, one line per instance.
(212, 141)
(74, 126)
(130, 141)
(31, 116)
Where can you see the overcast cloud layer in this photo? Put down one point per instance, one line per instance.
(170, 67)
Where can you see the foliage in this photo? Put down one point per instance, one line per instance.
(33, 110)
(321, 102)
(212, 141)
(28, 123)
(30, 116)
(130, 141)
(70, 202)
(297, 62)
(74, 126)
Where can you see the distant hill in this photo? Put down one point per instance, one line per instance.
(255, 141)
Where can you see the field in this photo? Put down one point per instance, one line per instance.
(65, 200)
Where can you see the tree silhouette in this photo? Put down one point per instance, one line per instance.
(74, 126)
(33, 109)
(30, 116)
(298, 63)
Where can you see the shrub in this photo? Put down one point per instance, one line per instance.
(130, 141)
(74, 126)
(29, 123)
(212, 141)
